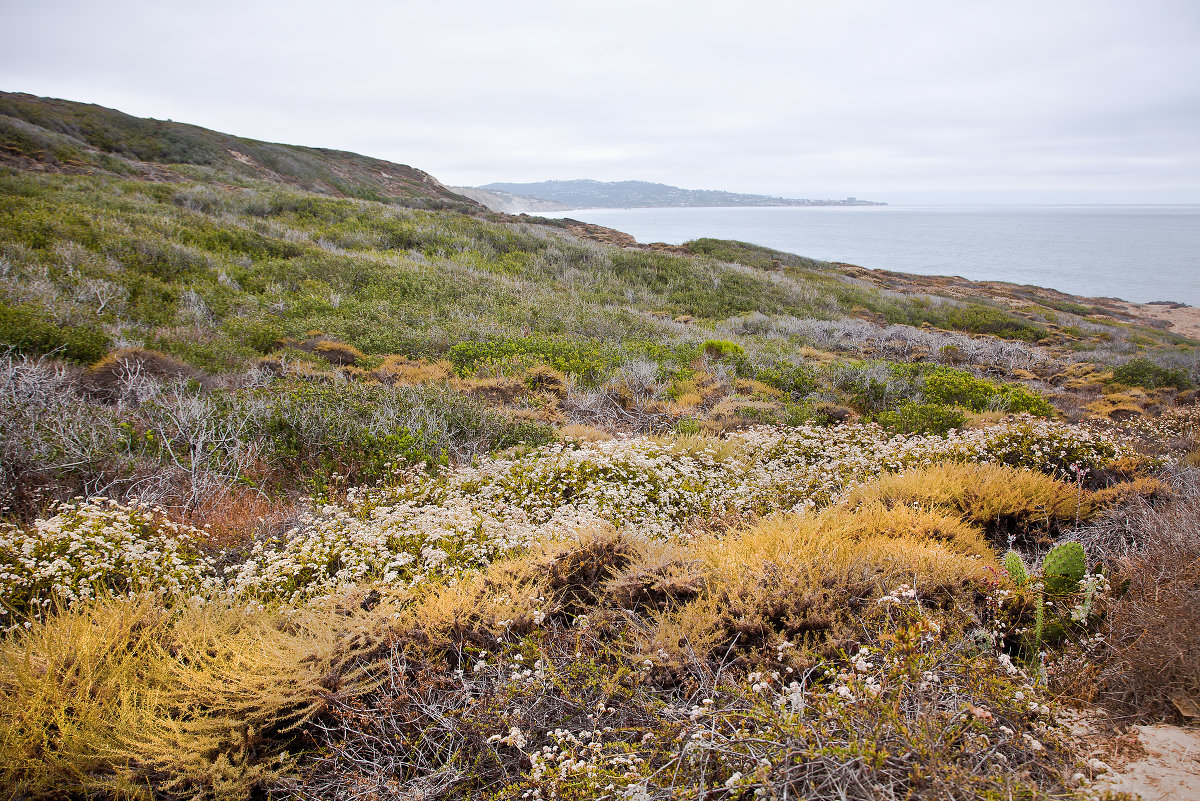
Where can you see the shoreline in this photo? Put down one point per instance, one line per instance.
(1138, 255)
(1176, 316)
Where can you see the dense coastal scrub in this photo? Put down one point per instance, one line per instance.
(655, 614)
(320, 482)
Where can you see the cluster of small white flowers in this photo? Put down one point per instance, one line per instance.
(515, 738)
(1092, 588)
(904, 594)
(89, 547)
(1061, 449)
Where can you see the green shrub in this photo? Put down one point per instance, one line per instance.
(974, 318)
(1145, 373)
(721, 350)
(360, 432)
(874, 386)
(29, 332)
(590, 362)
(797, 379)
(921, 418)
(954, 387)
(949, 387)
(763, 258)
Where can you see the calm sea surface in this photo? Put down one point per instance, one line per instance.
(1139, 253)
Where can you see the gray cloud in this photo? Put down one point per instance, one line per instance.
(1071, 100)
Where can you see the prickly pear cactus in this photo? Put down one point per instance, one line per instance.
(1015, 566)
(1063, 567)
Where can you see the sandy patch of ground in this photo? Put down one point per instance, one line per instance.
(1166, 767)
(1183, 320)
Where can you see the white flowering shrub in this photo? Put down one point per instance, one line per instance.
(97, 546)
(403, 544)
(429, 525)
(425, 526)
(1061, 450)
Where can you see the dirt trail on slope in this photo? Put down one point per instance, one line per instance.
(1166, 767)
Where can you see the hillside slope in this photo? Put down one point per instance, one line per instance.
(64, 136)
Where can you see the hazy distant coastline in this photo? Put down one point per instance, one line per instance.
(1081, 250)
(516, 198)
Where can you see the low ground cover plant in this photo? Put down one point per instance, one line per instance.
(804, 610)
(419, 525)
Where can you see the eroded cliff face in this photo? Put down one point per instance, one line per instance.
(506, 203)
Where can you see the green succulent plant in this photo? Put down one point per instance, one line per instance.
(1064, 567)
(1062, 573)
(1017, 571)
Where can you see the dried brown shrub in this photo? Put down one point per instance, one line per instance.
(338, 353)
(826, 413)
(578, 573)
(233, 518)
(546, 380)
(663, 575)
(1152, 648)
(494, 390)
(108, 377)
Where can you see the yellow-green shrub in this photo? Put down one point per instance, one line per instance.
(1005, 501)
(120, 696)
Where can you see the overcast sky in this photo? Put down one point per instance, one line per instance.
(896, 100)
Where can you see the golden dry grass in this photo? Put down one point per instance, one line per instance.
(121, 696)
(749, 386)
(1147, 488)
(1115, 407)
(1005, 501)
(983, 419)
(686, 402)
(402, 370)
(896, 544)
(812, 579)
(720, 449)
(578, 432)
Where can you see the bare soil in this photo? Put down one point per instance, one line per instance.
(1164, 765)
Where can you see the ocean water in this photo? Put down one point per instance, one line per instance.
(1138, 253)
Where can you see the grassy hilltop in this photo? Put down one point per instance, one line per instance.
(321, 481)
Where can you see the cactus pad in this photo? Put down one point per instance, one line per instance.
(1015, 566)
(1063, 567)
